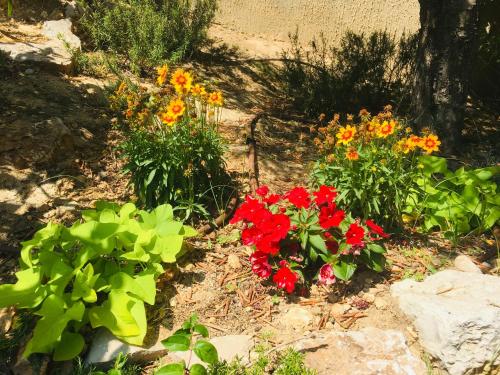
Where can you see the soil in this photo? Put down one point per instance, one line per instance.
(65, 159)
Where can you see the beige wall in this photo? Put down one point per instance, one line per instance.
(276, 18)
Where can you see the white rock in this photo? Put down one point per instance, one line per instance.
(229, 348)
(465, 264)
(457, 316)
(61, 30)
(297, 317)
(369, 351)
(105, 348)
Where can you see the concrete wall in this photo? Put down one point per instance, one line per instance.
(274, 19)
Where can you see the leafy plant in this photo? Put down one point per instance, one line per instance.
(298, 238)
(182, 341)
(173, 150)
(148, 32)
(455, 202)
(373, 163)
(98, 272)
(368, 70)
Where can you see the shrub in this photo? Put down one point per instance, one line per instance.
(173, 149)
(298, 237)
(373, 163)
(364, 70)
(98, 272)
(455, 202)
(149, 32)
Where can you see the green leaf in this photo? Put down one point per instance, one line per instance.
(171, 369)
(197, 369)
(318, 243)
(375, 261)
(376, 248)
(344, 270)
(26, 293)
(189, 231)
(97, 234)
(177, 342)
(206, 351)
(168, 247)
(201, 329)
(143, 287)
(69, 347)
(164, 213)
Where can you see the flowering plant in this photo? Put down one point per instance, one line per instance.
(373, 162)
(300, 236)
(172, 138)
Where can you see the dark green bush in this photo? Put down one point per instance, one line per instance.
(148, 32)
(364, 71)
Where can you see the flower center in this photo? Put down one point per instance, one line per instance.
(347, 134)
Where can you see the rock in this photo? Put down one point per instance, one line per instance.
(73, 10)
(457, 316)
(105, 348)
(61, 30)
(233, 261)
(381, 303)
(465, 264)
(229, 348)
(369, 351)
(339, 309)
(297, 317)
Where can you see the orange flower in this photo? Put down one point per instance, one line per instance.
(386, 129)
(198, 90)
(352, 154)
(182, 81)
(346, 134)
(162, 75)
(430, 143)
(372, 126)
(404, 145)
(176, 108)
(168, 119)
(215, 98)
(415, 140)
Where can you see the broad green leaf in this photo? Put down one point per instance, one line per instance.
(26, 293)
(96, 234)
(60, 275)
(206, 351)
(166, 228)
(169, 247)
(143, 286)
(189, 231)
(376, 248)
(83, 285)
(197, 369)
(201, 329)
(172, 369)
(373, 260)
(164, 213)
(108, 216)
(177, 343)
(44, 239)
(69, 347)
(318, 242)
(344, 270)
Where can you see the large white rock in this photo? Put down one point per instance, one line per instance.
(370, 351)
(457, 316)
(61, 30)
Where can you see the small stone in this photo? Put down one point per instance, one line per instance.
(297, 317)
(465, 264)
(87, 134)
(233, 261)
(29, 71)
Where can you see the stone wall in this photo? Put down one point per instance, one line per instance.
(274, 19)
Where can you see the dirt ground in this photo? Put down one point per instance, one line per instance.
(58, 155)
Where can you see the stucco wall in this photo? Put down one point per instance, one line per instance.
(276, 18)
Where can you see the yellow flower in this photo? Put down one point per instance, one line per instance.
(162, 75)
(415, 140)
(352, 154)
(372, 126)
(430, 143)
(346, 134)
(198, 90)
(176, 108)
(404, 145)
(168, 119)
(386, 129)
(182, 81)
(215, 98)
(373, 168)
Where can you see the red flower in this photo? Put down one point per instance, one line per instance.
(299, 197)
(247, 210)
(272, 199)
(260, 265)
(268, 245)
(278, 225)
(326, 275)
(250, 236)
(285, 278)
(375, 229)
(355, 234)
(330, 217)
(332, 246)
(325, 195)
(262, 191)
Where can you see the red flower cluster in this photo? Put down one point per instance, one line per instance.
(276, 227)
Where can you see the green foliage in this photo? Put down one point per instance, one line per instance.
(120, 367)
(180, 168)
(99, 271)
(455, 202)
(148, 32)
(181, 341)
(365, 70)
